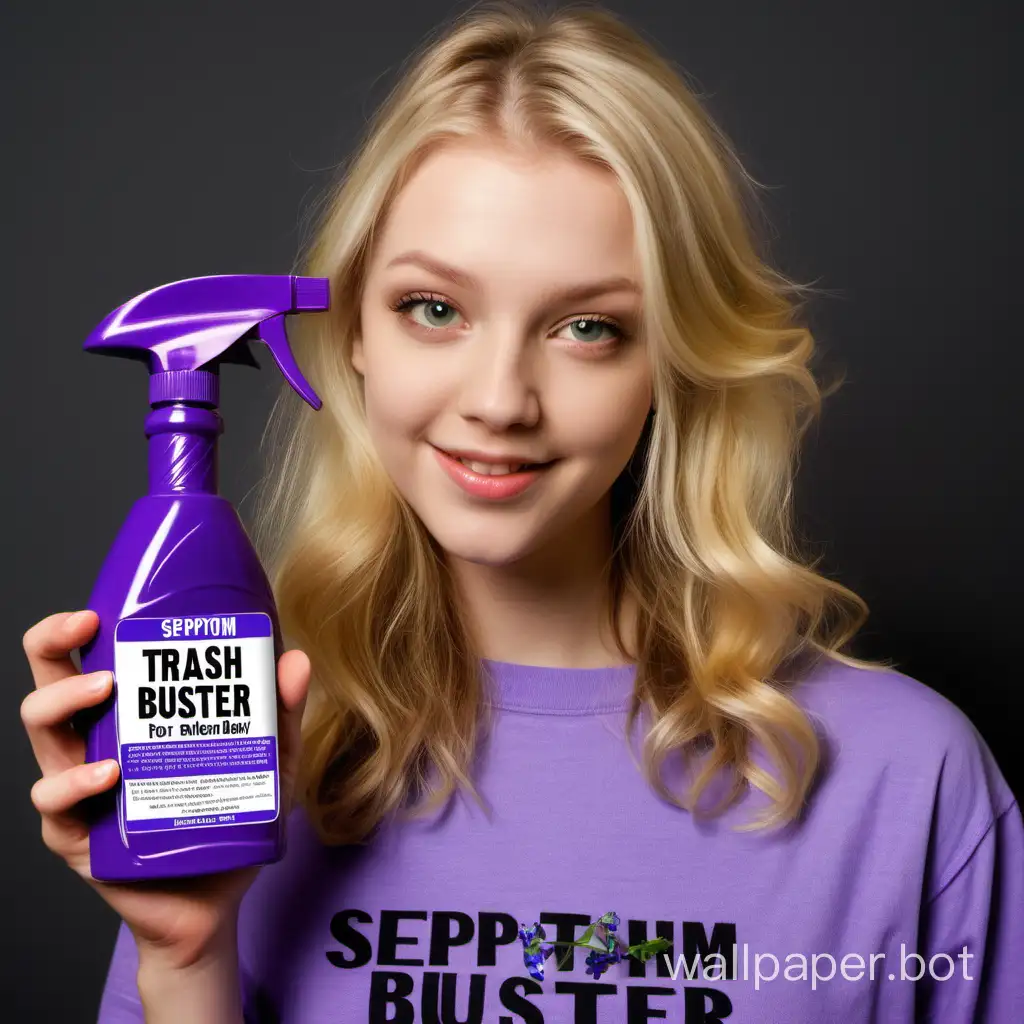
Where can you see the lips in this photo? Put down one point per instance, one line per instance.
(496, 468)
(493, 486)
(483, 463)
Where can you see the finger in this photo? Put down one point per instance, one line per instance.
(67, 835)
(293, 670)
(49, 643)
(293, 685)
(46, 715)
(59, 794)
(66, 832)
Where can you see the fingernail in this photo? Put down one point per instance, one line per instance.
(74, 621)
(99, 680)
(102, 770)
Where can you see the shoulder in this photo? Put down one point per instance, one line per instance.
(891, 738)
(904, 723)
(884, 696)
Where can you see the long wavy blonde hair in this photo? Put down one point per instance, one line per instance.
(704, 540)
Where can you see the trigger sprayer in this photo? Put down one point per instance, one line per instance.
(188, 624)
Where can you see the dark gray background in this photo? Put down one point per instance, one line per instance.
(147, 142)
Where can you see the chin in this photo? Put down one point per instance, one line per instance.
(491, 546)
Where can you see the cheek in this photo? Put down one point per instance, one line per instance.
(400, 398)
(398, 419)
(604, 420)
(395, 404)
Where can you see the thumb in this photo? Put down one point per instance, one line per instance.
(293, 672)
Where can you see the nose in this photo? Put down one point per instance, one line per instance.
(499, 386)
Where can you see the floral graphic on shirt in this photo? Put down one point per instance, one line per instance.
(601, 938)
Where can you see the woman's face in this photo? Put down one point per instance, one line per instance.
(498, 324)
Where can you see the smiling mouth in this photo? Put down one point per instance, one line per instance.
(489, 481)
(496, 468)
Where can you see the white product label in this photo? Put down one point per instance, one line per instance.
(197, 720)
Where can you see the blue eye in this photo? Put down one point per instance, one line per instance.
(434, 314)
(438, 314)
(589, 329)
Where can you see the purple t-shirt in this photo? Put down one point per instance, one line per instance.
(912, 845)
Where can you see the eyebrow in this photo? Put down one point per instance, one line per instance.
(463, 279)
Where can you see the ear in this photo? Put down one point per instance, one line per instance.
(357, 355)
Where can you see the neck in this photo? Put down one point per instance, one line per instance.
(550, 608)
(183, 448)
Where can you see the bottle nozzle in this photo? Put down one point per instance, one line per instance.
(311, 294)
(183, 329)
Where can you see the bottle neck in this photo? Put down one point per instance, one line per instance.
(183, 448)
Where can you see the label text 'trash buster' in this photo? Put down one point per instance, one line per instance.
(197, 720)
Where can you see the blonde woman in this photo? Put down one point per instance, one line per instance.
(570, 678)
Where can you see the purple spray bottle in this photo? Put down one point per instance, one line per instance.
(187, 621)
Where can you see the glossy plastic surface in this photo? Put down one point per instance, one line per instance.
(194, 323)
(183, 551)
(186, 554)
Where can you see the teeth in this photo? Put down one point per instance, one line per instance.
(491, 469)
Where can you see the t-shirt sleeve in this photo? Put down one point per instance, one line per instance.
(120, 1002)
(974, 896)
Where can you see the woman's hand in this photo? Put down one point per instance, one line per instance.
(177, 923)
